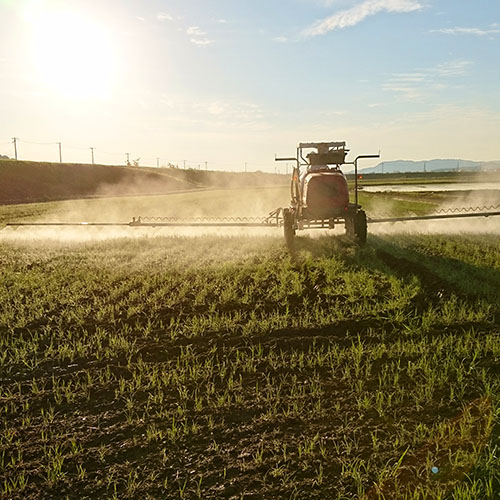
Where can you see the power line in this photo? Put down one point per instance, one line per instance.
(186, 163)
(109, 153)
(81, 148)
(37, 143)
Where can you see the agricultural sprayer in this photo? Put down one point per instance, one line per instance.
(319, 200)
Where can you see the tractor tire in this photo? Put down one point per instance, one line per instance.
(360, 227)
(349, 226)
(288, 228)
(356, 227)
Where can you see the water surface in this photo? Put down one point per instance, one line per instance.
(412, 188)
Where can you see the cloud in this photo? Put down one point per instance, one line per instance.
(202, 42)
(280, 39)
(468, 31)
(335, 3)
(198, 36)
(453, 68)
(195, 31)
(356, 14)
(416, 85)
(405, 91)
(221, 113)
(164, 16)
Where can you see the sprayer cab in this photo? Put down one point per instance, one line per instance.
(320, 193)
(328, 153)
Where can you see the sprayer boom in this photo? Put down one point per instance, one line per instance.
(274, 219)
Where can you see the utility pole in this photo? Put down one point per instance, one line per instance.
(128, 158)
(14, 141)
(158, 162)
(60, 153)
(92, 150)
(425, 164)
(206, 165)
(184, 164)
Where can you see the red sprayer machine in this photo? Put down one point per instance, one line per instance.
(320, 194)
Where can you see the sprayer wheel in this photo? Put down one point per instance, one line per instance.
(356, 227)
(288, 227)
(349, 226)
(360, 227)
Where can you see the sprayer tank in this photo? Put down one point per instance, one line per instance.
(325, 194)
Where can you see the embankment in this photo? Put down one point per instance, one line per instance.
(31, 182)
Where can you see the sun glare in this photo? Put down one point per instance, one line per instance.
(73, 55)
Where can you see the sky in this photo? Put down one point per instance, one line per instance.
(234, 82)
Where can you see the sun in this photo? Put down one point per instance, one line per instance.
(72, 54)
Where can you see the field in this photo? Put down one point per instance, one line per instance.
(221, 366)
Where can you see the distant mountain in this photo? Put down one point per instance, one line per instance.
(404, 166)
(490, 165)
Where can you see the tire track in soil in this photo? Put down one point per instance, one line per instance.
(433, 285)
(435, 290)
